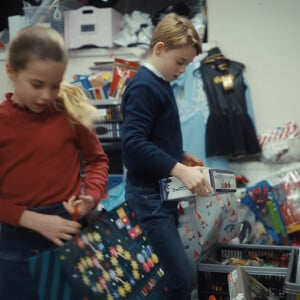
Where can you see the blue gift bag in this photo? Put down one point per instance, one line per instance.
(112, 259)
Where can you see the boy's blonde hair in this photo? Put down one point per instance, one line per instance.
(74, 101)
(176, 31)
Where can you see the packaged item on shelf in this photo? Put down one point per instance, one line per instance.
(123, 70)
(109, 128)
(222, 181)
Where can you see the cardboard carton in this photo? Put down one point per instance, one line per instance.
(222, 181)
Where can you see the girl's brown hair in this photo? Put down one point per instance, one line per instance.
(44, 43)
(36, 42)
(176, 31)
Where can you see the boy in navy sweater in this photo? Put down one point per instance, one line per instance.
(152, 146)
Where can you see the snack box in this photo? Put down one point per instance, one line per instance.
(222, 181)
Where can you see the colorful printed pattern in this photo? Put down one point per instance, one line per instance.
(206, 221)
(113, 260)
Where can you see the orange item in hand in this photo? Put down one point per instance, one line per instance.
(197, 163)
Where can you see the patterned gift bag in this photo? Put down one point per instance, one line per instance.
(112, 259)
(216, 219)
(206, 221)
(50, 279)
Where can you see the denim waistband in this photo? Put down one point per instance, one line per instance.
(18, 243)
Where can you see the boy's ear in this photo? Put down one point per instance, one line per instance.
(10, 72)
(159, 47)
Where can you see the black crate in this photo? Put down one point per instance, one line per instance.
(213, 272)
(108, 129)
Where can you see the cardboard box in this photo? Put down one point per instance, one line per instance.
(243, 286)
(91, 26)
(222, 181)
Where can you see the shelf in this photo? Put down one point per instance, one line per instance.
(111, 145)
(110, 101)
(102, 54)
(108, 54)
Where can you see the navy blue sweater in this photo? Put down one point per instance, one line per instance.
(151, 132)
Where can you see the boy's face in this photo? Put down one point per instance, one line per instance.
(37, 86)
(172, 63)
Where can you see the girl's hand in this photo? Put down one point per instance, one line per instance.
(53, 227)
(83, 203)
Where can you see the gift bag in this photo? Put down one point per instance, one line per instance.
(51, 281)
(206, 221)
(112, 259)
(216, 219)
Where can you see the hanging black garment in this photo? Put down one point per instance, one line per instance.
(230, 131)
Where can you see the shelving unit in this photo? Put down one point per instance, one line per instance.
(108, 132)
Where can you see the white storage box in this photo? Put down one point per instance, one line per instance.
(222, 181)
(91, 26)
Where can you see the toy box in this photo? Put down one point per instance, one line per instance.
(243, 286)
(91, 26)
(172, 188)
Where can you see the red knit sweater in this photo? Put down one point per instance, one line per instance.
(39, 160)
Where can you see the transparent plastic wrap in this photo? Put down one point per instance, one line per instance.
(281, 145)
(263, 202)
(286, 188)
(48, 13)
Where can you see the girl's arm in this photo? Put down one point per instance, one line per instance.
(95, 164)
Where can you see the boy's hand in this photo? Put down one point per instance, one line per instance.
(193, 179)
(190, 160)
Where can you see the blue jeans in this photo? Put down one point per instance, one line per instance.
(17, 245)
(159, 222)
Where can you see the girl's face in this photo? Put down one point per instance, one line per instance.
(172, 63)
(37, 86)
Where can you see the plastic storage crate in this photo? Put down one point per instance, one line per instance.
(213, 272)
(109, 133)
(108, 130)
(292, 281)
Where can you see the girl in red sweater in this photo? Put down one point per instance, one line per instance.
(46, 130)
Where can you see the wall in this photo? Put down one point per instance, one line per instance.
(264, 35)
